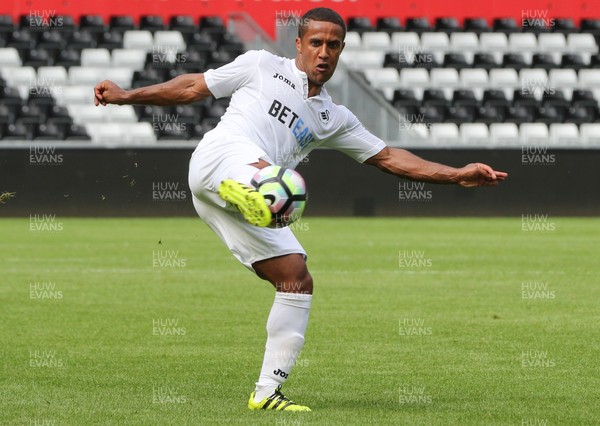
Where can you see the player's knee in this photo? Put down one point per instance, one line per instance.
(300, 282)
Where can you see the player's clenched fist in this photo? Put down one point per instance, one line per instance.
(107, 92)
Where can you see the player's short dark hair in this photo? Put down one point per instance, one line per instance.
(321, 14)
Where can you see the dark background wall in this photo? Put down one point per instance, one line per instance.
(153, 182)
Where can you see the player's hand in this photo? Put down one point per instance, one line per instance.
(107, 92)
(478, 174)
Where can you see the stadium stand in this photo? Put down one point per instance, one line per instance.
(470, 83)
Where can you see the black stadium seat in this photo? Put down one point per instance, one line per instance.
(121, 23)
(456, 61)
(484, 60)
(58, 115)
(434, 97)
(152, 23)
(564, 26)
(183, 24)
(544, 61)
(590, 25)
(388, 24)
(515, 61)
(38, 58)
(519, 114)
(68, 58)
(405, 97)
(16, 131)
(110, 40)
(447, 25)
(464, 98)
(476, 25)
(51, 40)
(573, 61)
(91, 23)
(359, 24)
(460, 114)
(75, 132)
(212, 24)
(49, 131)
(82, 39)
(418, 25)
(506, 26)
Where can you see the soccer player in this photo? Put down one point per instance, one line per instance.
(279, 112)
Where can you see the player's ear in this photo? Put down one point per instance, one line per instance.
(298, 44)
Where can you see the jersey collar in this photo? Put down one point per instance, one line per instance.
(304, 78)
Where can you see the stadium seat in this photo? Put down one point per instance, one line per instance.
(522, 43)
(141, 39)
(582, 43)
(87, 113)
(18, 76)
(552, 43)
(545, 61)
(58, 115)
(485, 61)
(151, 23)
(474, 79)
(447, 24)
(85, 76)
(534, 134)
(95, 58)
(47, 132)
(139, 133)
(9, 57)
(435, 41)
(388, 24)
(386, 79)
(68, 58)
(445, 134)
(121, 23)
(76, 95)
(573, 61)
(446, 79)
(476, 25)
(474, 134)
(489, 113)
(119, 75)
(435, 97)
(589, 79)
(82, 40)
(564, 134)
(376, 41)
(505, 25)
(17, 131)
(516, 61)
(465, 97)
(370, 59)
(212, 24)
(110, 40)
(107, 133)
(10, 96)
(460, 114)
(408, 43)
(120, 114)
(464, 43)
(76, 132)
(458, 61)
(564, 26)
(495, 44)
(352, 40)
(91, 23)
(183, 24)
(504, 134)
(590, 134)
(51, 40)
(359, 24)
(129, 58)
(418, 25)
(504, 79)
(169, 39)
(414, 79)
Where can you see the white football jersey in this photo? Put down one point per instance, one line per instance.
(270, 108)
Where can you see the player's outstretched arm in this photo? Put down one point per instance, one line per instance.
(183, 89)
(404, 164)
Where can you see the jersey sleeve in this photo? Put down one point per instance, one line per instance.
(354, 140)
(225, 80)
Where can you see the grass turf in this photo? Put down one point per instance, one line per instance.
(414, 321)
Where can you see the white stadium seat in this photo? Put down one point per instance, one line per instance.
(408, 43)
(522, 42)
(589, 79)
(9, 57)
(504, 134)
(95, 58)
(534, 80)
(505, 79)
(376, 41)
(138, 39)
(86, 75)
(464, 42)
(353, 41)
(106, 133)
(474, 134)
(120, 114)
(564, 134)
(445, 134)
(169, 40)
(475, 79)
(120, 75)
(552, 43)
(19, 76)
(589, 134)
(129, 58)
(414, 77)
(369, 59)
(534, 134)
(582, 43)
(435, 43)
(445, 79)
(386, 79)
(495, 43)
(562, 78)
(54, 76)
(139, 133)
(87, 113)
(76, 95)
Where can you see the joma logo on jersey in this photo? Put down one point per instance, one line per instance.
(285, 80)
(286, 116)
(281, 373)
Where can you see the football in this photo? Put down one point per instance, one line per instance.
(285, 192)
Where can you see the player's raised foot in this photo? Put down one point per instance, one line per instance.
(277, 401)
(248, 201)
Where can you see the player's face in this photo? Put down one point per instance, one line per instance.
(319, 50)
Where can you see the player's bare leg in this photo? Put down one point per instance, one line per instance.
(285, 328)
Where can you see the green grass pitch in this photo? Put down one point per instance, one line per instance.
(414, 321)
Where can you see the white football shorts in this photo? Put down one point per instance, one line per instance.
(221, 156)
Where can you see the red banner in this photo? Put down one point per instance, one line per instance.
(267, 12)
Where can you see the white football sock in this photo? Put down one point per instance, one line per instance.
(285, 337)
(243, 173)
